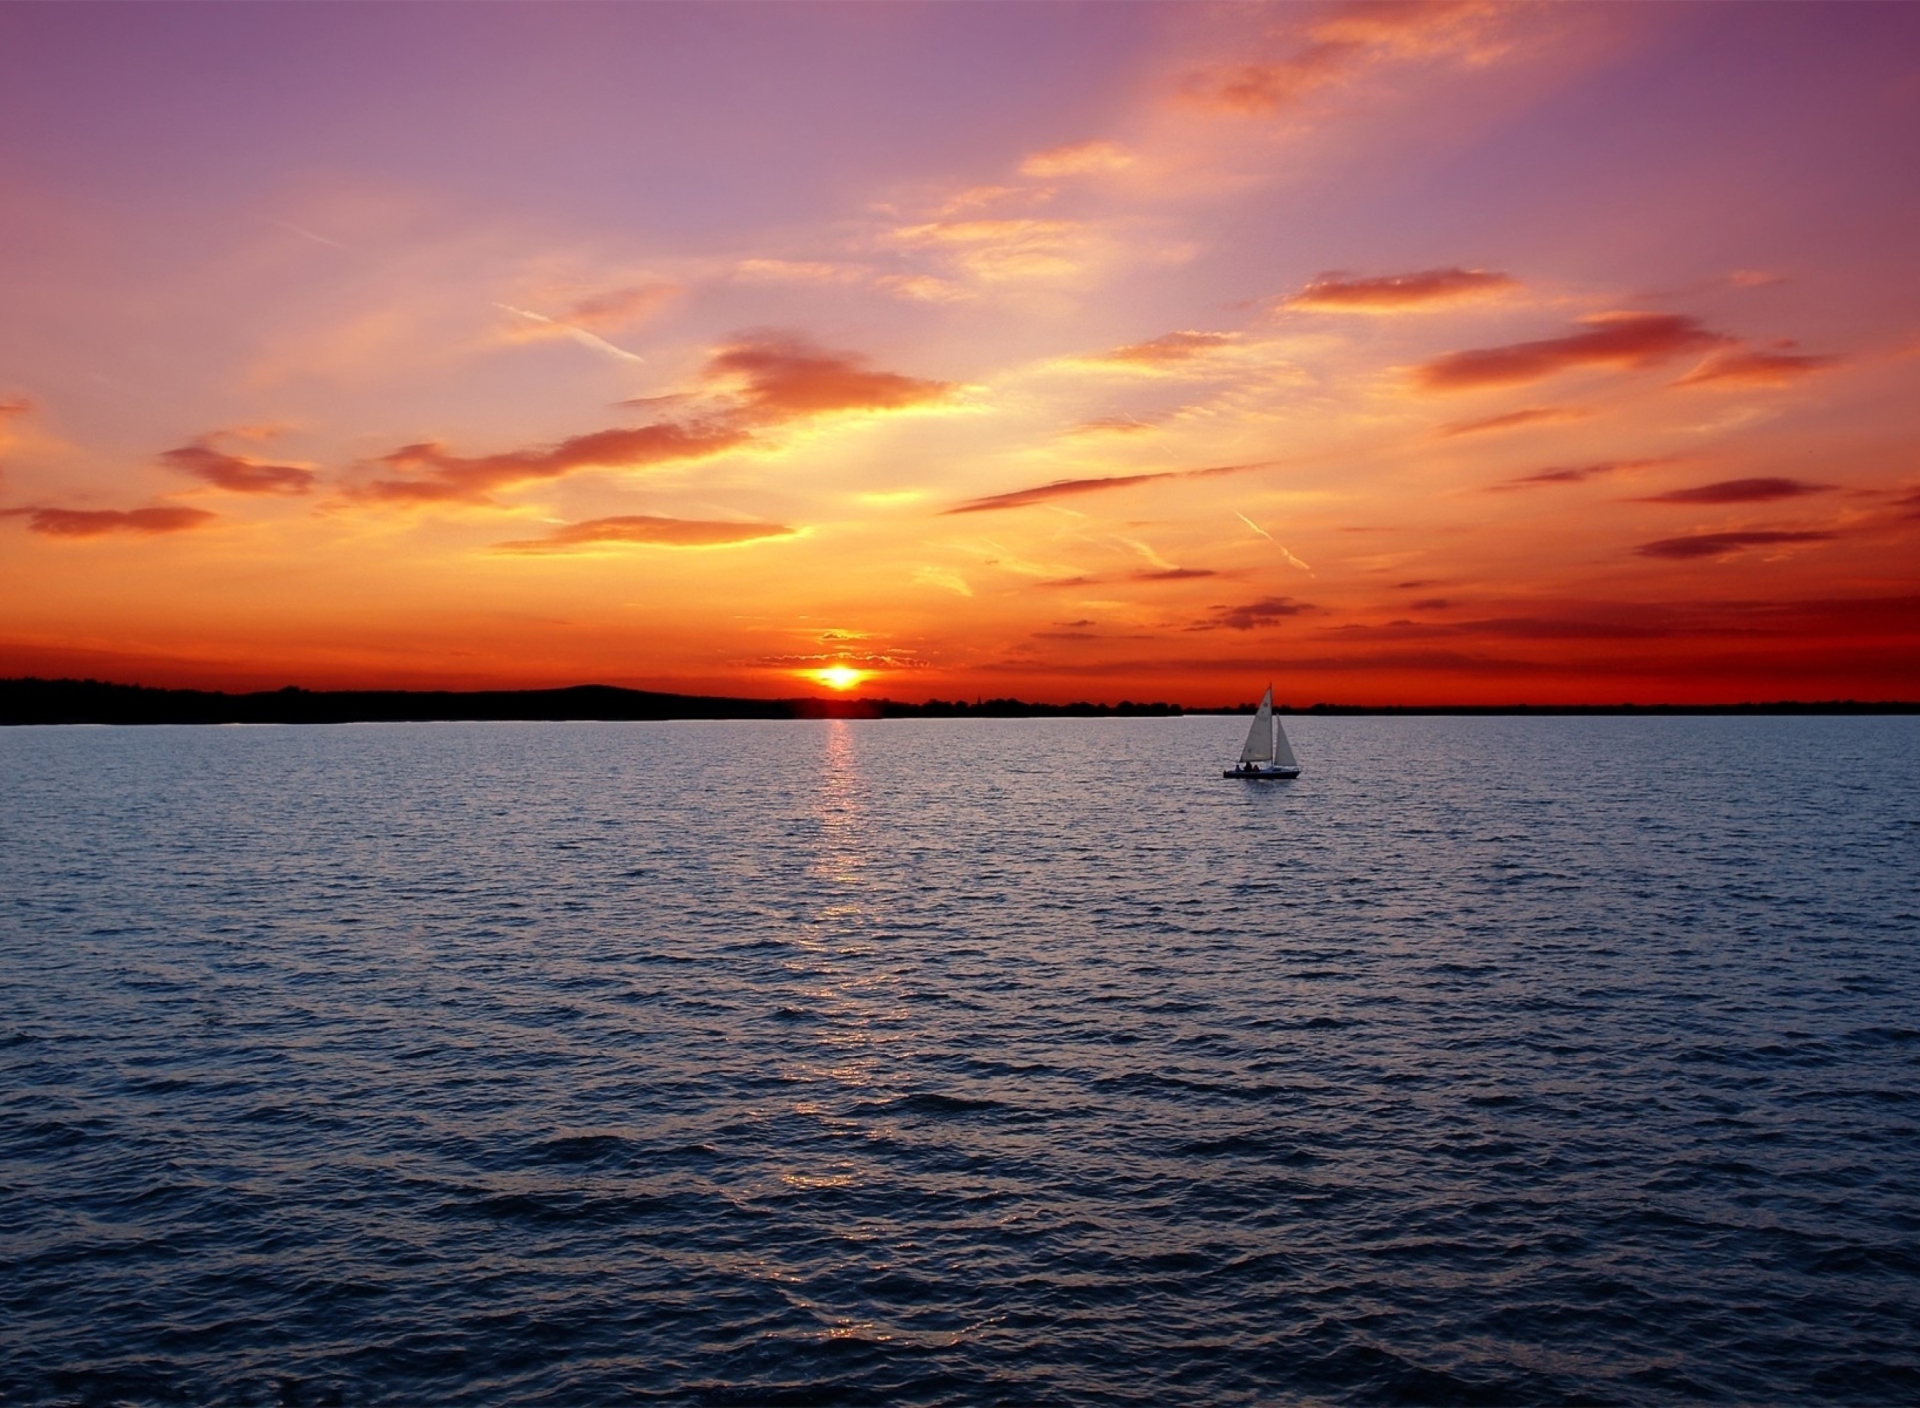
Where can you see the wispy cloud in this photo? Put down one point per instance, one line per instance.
(1772, 367)
(437, 476)
(1738, 491)
(1077, 159)
(1342, 46)
(944, 578)
(998, 249)
(1396, 293)
(96, 523)
(1265, 612)
(1169, 349)
(1290, 559)
(1724, 544)
(238, 474)
(1606, 339)
(754, 384)
(592, 341)
(650, 530)
(1512, 420)
(1573, 474)
(1173, 574)
(1068, 488)
(1255, 526)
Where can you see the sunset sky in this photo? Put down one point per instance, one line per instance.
(1436, 353)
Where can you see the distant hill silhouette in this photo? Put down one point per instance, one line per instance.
(37, 701)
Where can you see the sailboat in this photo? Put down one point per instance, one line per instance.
(1267, 754)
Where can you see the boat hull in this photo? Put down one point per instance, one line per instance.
(1262, 774)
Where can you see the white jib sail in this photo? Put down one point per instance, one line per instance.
(1282, 750)
(1259, 747)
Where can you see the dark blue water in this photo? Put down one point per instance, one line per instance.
(1494, 1061)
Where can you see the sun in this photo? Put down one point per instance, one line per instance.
(839, 676)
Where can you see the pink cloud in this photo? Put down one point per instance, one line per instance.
(1343, 45)
(765, 381)
(1757, 368)
(1339, 293)
(1169, 348)
(783, 378)
(1607, 339)
(443, 477)
(617, 307)
(237, 473)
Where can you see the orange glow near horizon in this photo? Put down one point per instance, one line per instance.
(1452, 353)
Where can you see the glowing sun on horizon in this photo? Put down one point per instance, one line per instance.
(839, 676)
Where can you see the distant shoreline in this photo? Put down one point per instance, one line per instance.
(41, 702)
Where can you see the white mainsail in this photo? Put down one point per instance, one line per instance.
(1259, 747)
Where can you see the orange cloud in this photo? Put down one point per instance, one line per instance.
(453, 478)
(768, 381)
(1531, 415)
(14, 406)
(237, 473)
(1393, 293)
(1067, 488)
(782, 378)
(1609, 339)
(1738, 491)
(617, 307)
(1077, 159)
(1723, 544)
(1343, 45)
(95, 523)
(644, 528)
(1775, 368)
(1016, 247)
(1168, 349)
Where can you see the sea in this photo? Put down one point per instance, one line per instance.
(1496, 1060)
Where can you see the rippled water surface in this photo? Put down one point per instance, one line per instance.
(1498, 1060)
